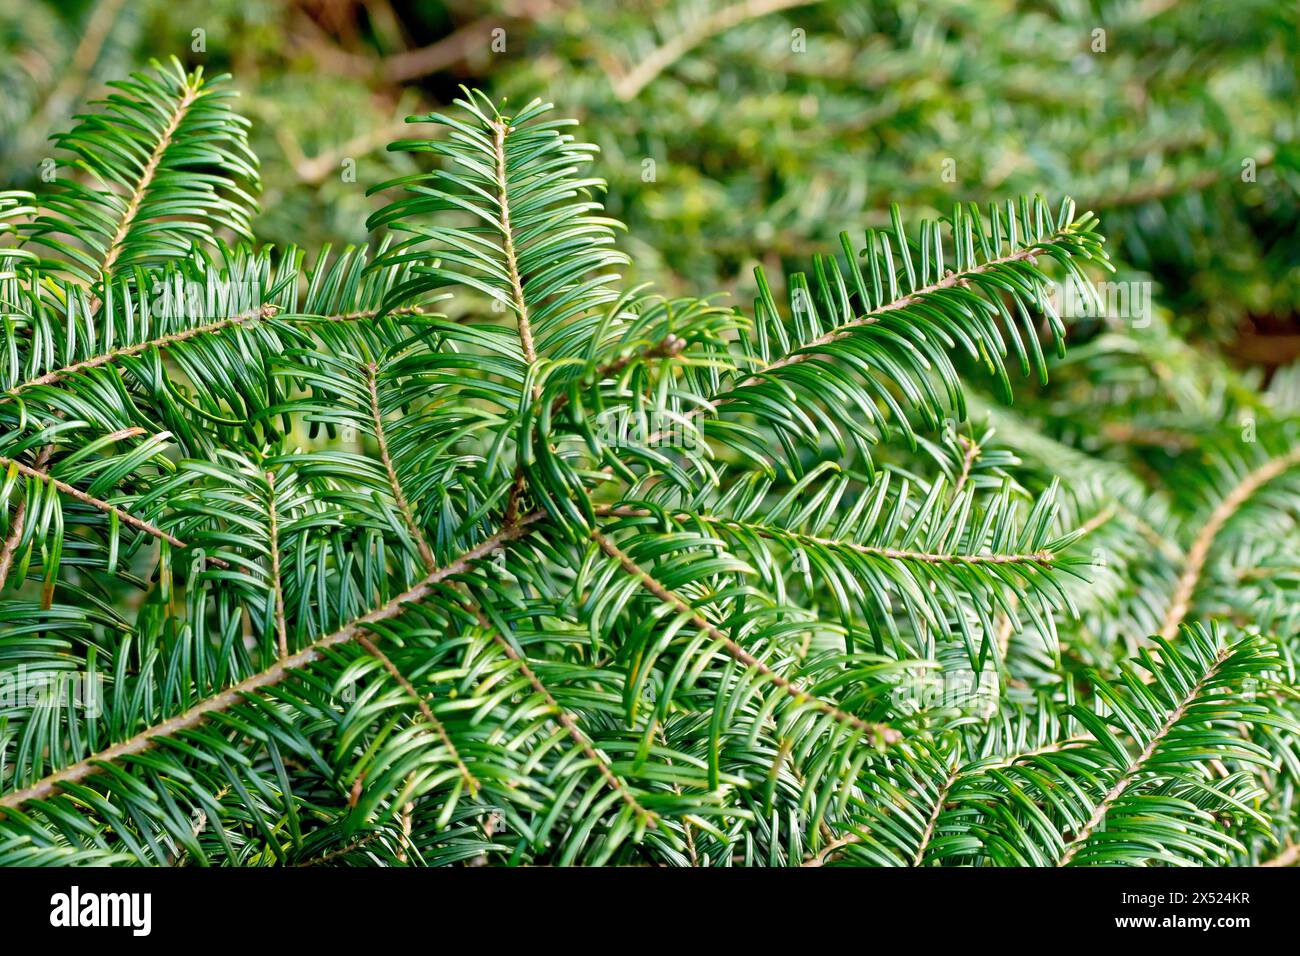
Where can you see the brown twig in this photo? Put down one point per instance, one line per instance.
(280, 629)
(1157, 191)
(453, 48)
(627, 86)
(939, 799)
(1289, 856)
(313, 169)
(968, 460)
(96, 31)
(822, 856)
(343, 850)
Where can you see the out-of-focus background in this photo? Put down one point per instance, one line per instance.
(743, 131)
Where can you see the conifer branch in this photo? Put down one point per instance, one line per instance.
(283, 668)
(471, 783)
(501, 130)
(806, 350)
(277, 587)
(940, 798)
(1135, 768)
(399, 496)
(1042, 558)
(1200, 549)
(76, 493)
(878, 733)
(161, 342)
(721, 637)
(142, 185)
(803, 351)
(18, 523)
(570, 727)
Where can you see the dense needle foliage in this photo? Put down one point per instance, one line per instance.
(460, 549)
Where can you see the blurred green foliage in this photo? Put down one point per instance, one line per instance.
(757, 130)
